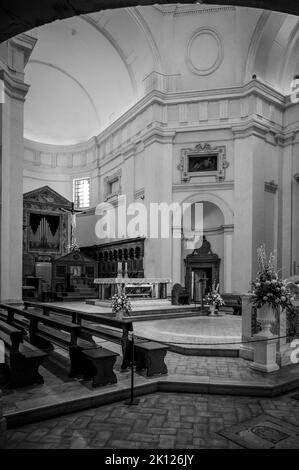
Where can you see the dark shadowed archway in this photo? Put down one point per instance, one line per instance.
(17, 16)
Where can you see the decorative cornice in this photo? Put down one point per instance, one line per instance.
(191, 9)
(210, 186)
(160, 135)
(252, 127)
(285, 139)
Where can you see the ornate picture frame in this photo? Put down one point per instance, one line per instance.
(203, 160)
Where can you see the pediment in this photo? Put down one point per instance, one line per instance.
(75, 256)
(46, 195)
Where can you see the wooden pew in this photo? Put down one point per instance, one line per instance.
(45, 330)
(117, 333)
(150, 357)
(23, 359)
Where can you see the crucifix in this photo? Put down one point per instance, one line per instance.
(74, 245)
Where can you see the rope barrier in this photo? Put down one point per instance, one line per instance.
(212, 344)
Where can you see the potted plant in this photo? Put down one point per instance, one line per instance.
(121, 305)
(269, 292)
(214, 299)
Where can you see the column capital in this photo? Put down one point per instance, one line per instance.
(13, 87)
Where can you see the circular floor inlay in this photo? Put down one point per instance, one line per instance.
(199, 330)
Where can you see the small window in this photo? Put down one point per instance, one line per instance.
(81, 189)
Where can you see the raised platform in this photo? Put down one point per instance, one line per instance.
(59, 395)
(152, 307)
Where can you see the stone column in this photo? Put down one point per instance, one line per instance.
(2, 426)
(176, 255)
(246, 349)
(228, 257)
(17, 53)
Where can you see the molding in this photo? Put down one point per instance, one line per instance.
(252, 127)
(13, 86)
(139, 19)
(220, 55)
(112, 178)
(25, 43)
(223, 185)
(115, 46)
(255, 42)
(139, 194)
(191, 9)
(285, 139)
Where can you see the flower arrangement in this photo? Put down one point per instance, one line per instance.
(213, 297)
(121, 302)
(268, 288)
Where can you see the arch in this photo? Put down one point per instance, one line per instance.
(218, 201)
(18, 17)
(290, 61)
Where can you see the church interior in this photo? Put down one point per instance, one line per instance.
(115, 123)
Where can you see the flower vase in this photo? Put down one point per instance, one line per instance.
(120, 314)
(265, 344)
(212, 309)
(266, 318)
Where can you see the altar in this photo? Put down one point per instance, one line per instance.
(151, 288)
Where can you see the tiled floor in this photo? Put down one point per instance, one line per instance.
(161, 420)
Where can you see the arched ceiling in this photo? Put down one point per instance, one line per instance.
(83, 73)
(86, 71)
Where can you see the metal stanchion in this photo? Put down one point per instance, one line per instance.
(132, 400)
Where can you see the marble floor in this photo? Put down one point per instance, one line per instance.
(206, 330)
(160, 421)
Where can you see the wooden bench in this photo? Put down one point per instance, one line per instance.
(96, 325)
(150, 357)
(234, 301)
(45, 330)
(23, 359)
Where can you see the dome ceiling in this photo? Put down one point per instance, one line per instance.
(85, 71)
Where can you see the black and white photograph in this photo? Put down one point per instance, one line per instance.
(149, 229)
